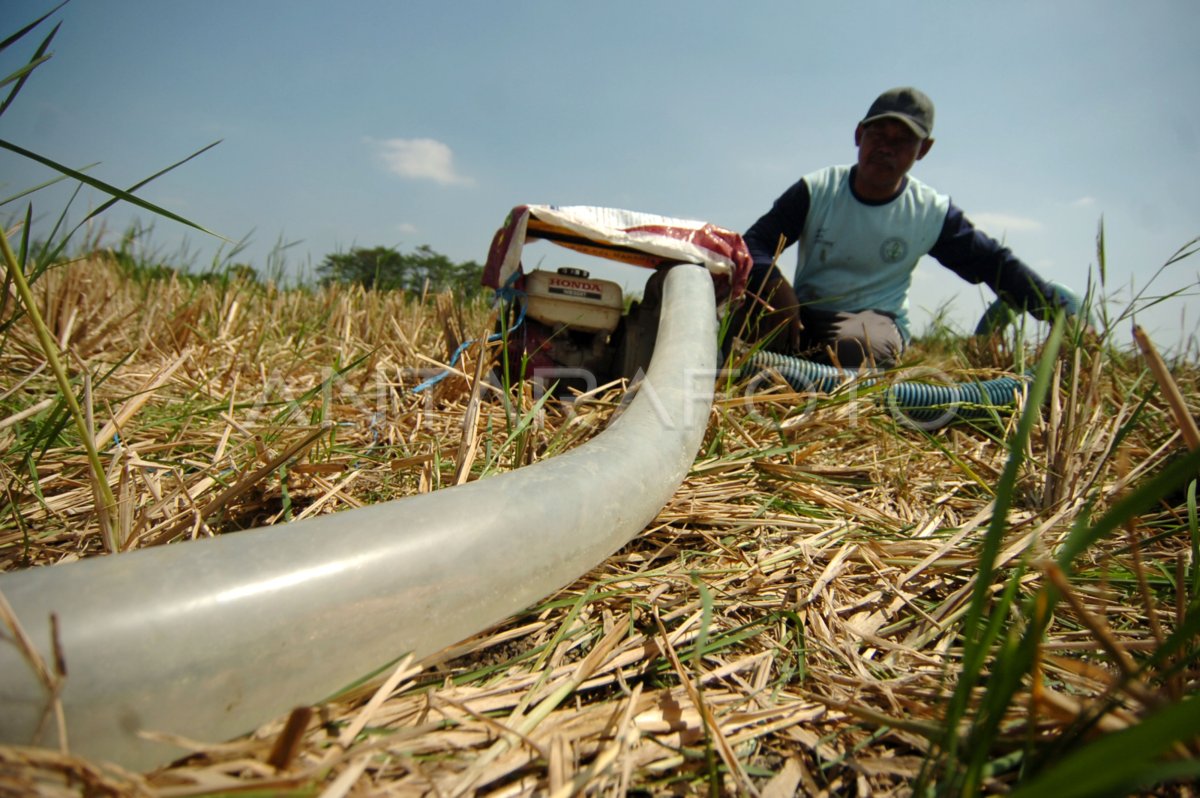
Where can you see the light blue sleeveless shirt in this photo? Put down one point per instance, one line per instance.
(857, 256)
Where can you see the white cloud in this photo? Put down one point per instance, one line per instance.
(1000, 223)
(1084, 202)
(407, 228)
(420, 159)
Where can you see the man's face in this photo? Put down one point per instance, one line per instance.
(887, 149)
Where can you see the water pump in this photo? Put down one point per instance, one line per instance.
(571, 331)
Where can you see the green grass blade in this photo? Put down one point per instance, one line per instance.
(106, 205)
(54, 245)
(107, 504)
(1083, 536)
(1128, 760)
(978, 639)
(107, 188)
(517, 436)
(19, 312)
(568, 623)
(1185, 636)
(16, 37)
(292, 406)
(706, 617)
(1012, 662)
(34, 189)
(1194, 530)
(19, 77)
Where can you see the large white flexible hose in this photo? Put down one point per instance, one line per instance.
(208, 639)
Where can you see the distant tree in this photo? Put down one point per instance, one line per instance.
(233, 273)
(244, 272)
(387, 269)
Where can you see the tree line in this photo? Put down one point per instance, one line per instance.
(388, 269)
(375, 268)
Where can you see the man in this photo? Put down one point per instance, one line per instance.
(861, 230)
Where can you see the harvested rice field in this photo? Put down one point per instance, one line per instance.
(834, 602)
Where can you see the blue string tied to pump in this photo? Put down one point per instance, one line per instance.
(506, 295)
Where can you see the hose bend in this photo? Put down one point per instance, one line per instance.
(207, 639)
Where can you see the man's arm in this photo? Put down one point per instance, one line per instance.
(771, 312)
(785, 218)
(979, 258)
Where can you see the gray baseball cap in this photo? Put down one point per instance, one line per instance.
(910, 106)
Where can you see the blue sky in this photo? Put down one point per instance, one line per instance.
(403, 123)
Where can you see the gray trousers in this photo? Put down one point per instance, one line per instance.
(851, 339)
(771, 315)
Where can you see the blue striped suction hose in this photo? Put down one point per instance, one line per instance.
(931, 405)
